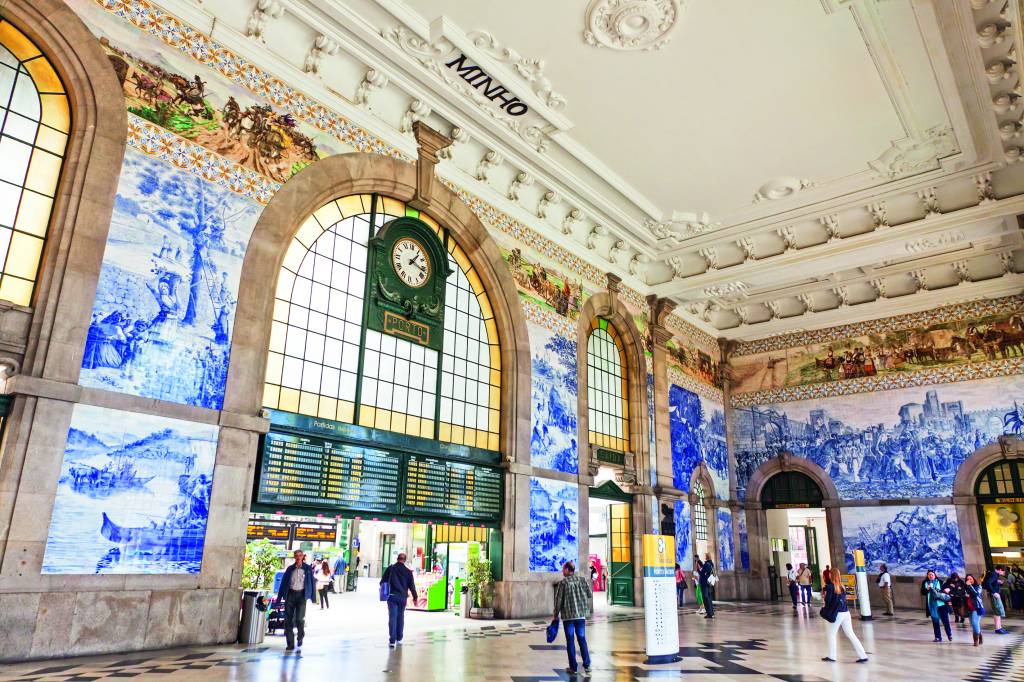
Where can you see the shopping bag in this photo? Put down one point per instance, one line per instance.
(385, 591)
(552, 631)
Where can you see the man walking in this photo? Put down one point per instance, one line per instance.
(295, 590)
(794, 591)
(573, 599)
(400, 583)
(885, 585)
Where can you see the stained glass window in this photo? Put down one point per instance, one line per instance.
(700, 512)
(324, 363)
(607, 410)
(34, 125)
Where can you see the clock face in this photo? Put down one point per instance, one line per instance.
(409, 259)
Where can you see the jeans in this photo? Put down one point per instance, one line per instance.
(794, 592)
(942, 614)
(324, 602)
(975, 622)
(843, 621)
(294, 616)
(396, 618)
(579, 628)
(805, 591)
(681, 593)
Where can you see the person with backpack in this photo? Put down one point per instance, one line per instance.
(680, 586)
(975, 606)
(396, 583)
(837, 615)
(885, 585)
(708, 579)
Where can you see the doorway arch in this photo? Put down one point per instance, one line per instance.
(801, 483)
(992, 476)
(704, 511)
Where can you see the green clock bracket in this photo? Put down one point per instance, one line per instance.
(413, 313)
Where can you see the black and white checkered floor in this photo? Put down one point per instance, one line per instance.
(746, 641)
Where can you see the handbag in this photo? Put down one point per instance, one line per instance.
(712, 580)
(552, 631)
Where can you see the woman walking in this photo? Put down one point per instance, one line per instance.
(975, 607)
(937, 600)
(323, 583)
(837, 615)
(955, 588)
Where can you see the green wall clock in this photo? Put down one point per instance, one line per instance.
(406, 283)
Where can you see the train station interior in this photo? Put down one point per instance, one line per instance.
(666, 293)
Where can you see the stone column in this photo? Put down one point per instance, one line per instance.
(660, 309)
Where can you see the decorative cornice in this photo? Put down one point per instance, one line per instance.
(683, 380)
(529, 70)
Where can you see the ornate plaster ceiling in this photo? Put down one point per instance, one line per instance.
(769, 166)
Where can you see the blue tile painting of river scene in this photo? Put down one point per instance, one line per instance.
(697, 426)
(887, 444)
(553, 401)
(554, 524)
(133, 496)
(909, 540)
(164, 307)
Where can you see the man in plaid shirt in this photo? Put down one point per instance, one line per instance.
(573, 599)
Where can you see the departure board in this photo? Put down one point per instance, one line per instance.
(316, 472)
(437, 486)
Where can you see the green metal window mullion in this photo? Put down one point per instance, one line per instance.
(366, 312)
(440, 363)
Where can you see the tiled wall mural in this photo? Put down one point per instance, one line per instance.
(545, 286)
(554, 524)
(133, 496)
(726, 551)
(697, 427)
(553, 401)
(684, 548)
(910, 540)
(164, 307)
(741, 529)
(956, 335)
(884, 445)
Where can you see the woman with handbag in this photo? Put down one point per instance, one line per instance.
(954, 587)
(837, 615)
(975, 606)
(937, 601)
(708, 579)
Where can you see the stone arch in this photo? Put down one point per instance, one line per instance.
(608, 306)
(967, 512)
(355, 173)
(73, 254)
(757, 523)
(702, 473)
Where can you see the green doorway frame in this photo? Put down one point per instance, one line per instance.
(620, 542)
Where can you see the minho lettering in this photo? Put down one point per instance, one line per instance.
(492, 90)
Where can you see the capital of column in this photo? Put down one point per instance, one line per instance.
(429, 143)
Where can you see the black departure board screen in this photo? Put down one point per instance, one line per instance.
(437, 486)
(317, 472)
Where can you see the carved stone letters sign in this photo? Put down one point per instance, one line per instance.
(491, 89)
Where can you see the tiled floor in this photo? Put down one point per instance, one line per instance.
(747, 642)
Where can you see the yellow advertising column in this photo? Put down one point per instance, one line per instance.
(662, 619)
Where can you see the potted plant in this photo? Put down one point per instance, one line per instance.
(481, 587)
(260, 564)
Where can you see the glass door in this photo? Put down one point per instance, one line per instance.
(387, 548)
(813, 562)
(620, 543)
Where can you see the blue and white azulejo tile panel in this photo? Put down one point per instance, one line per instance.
(554, 524)
(697, 426)
(164, 307)
(726, 553)
(553, 401)
(133, 495)
(910, 540)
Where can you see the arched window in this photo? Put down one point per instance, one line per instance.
(324, 361)
(34, 124)
(790, 487)
(607, 410)
(700, 513)
(1002, 478)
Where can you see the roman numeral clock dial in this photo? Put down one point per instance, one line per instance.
(409, 259)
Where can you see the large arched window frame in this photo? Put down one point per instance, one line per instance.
(700, 512)
(35, 121)
(607, 390)
(324, 362)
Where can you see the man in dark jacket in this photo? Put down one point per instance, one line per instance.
(707, 590)
(297, 586)
(400, 583)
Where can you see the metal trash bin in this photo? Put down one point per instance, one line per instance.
(253, 625)
(465, 603)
